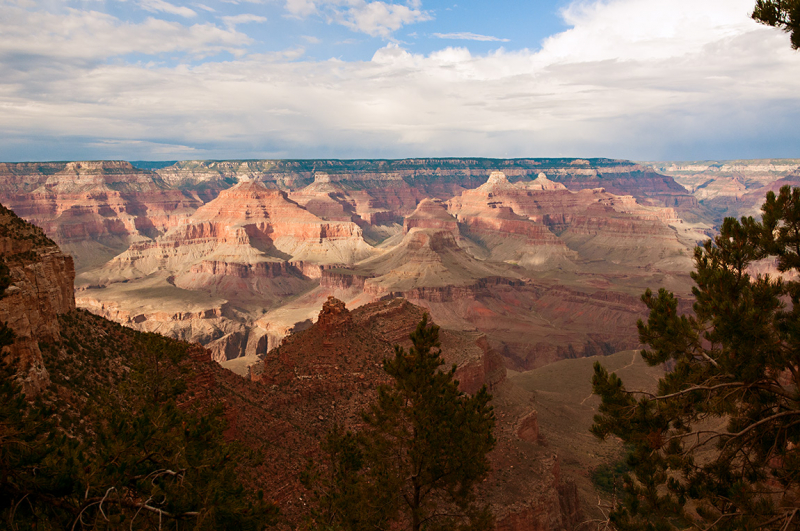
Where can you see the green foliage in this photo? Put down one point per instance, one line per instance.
(610, 477)
(717, 445)
(784, 14)
(19, 229)
(126, 450)
(418, 460)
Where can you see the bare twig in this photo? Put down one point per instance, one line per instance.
(14, 511)
(104, 499)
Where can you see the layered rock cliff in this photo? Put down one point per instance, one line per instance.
(94, 210)
(731, 188)
(440, 178)
(560, 225)
(40, 290)
(265, 261)
(249, 249)
(238, 254)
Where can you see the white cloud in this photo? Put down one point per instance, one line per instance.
(90, 35)
(301, 8)
(155, 6)
(380, 19)
(647, 29)
(467, 36)
(653, 85)
(233, 21)
(375, 18)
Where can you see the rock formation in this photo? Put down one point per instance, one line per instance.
(94, 210)
(41, 279)
(590, 223)
(329, 372)
(430, 214)
(249, 248)
(238, 254)
(731, 188)
(478, 268)
(316, 378)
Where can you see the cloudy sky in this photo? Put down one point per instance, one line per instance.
(169, 79)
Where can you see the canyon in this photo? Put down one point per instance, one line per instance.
(544, 256)
(316, 379)
(298, 277)
(733, 188)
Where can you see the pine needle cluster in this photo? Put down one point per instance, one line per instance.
(717, 446)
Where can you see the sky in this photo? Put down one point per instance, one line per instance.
(235, 79)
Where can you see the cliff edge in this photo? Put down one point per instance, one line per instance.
(41, 289)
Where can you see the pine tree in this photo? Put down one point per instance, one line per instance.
(423, 451)
(135, 459)
(784, 14)
(717, 444)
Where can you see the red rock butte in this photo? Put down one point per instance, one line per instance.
(236, 254)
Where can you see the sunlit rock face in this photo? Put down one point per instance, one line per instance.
(554, 225)
(430, 214)
(249, 248)
(733, 188)
(238, 254)
(94, 210)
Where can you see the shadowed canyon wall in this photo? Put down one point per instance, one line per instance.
(236, 254)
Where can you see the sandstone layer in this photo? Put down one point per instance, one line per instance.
(40, 290)
(734, 187)
(245, 251)
(94, 210)
(317, 378)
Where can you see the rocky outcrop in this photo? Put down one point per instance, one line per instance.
(387, 322)
(94, 210)
(487, 369)
(328, 373)
(556, 223)
(335, 318)
(41, 284)
(430, 214)
(528, 427)
(733, 188)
